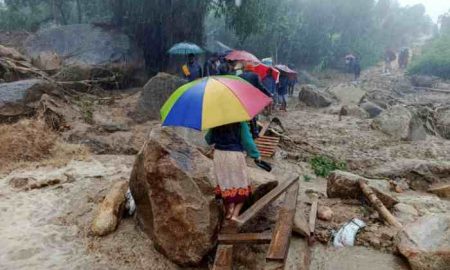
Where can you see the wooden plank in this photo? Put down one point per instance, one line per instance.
(273, 265)
(279, 246)
(313, 215)
(312, 219)
(269, 139)
(245, 238)
(266, 144)
(261, 203)
(224, 258)
(379, 206)
(264, 126)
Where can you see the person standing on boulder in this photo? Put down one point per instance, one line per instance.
(233, 186)
(192, 69)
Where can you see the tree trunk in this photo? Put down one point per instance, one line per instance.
(79, 11)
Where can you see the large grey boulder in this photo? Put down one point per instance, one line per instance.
(347, 94)
(424, 81)
(312, 97)
(22, 97)
(87, 46)
(442, 122)
(400, 123)
(173, 186)
(426, 242)
(156, 91)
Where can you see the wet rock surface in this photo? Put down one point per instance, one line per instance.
(172, 184)
(346, 185)
(311, 96)
(156, 91)
(400, 123)
(20, 98)
(426, 242)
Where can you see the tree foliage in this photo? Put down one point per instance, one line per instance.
(304, 32)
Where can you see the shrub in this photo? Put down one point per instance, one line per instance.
(323, 166)
(435, 59)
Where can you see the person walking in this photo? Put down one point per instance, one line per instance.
(250, 76)
(389, 56)
(233, 185)
(283, 90)
(192, 69)
(211, 67)
(271, 85)
(356, 68)
(291, 84)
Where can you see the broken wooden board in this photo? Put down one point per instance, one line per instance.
(264, 201)
(224, 258)
(267, 145)
(312, 219)
(279, 245)
(245, 238)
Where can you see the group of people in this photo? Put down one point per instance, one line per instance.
(269, 85)
(232, 140)
(353, 65)
(390, 56)
(215, 65)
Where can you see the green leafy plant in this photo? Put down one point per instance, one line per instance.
(323, 166)
(307, 178)
(435, 59)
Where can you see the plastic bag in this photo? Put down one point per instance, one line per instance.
(346, 234)
(130, 205)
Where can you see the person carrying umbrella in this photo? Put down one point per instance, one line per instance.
(192, 69)
(271, 85)
(250, 76)
(221, 105)
(230, 167)
(211, 67)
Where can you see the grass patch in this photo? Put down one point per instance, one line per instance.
(323, 166)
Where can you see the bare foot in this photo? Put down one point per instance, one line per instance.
(230, 211)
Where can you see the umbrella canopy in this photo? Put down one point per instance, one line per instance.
(267, 61)
(262, 69)
(242, 56)
(286, 69)
(213, 101)
(185, 48)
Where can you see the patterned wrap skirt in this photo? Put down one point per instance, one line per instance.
(233, 185)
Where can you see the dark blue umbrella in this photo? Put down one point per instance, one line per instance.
(185, 48)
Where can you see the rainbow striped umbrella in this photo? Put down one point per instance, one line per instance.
(213, 101)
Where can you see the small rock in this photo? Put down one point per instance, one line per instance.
(325, 213)
(110, 210)
(371, 108)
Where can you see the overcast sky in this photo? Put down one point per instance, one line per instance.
(434, 7)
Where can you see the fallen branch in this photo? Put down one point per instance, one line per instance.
(379, 206)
